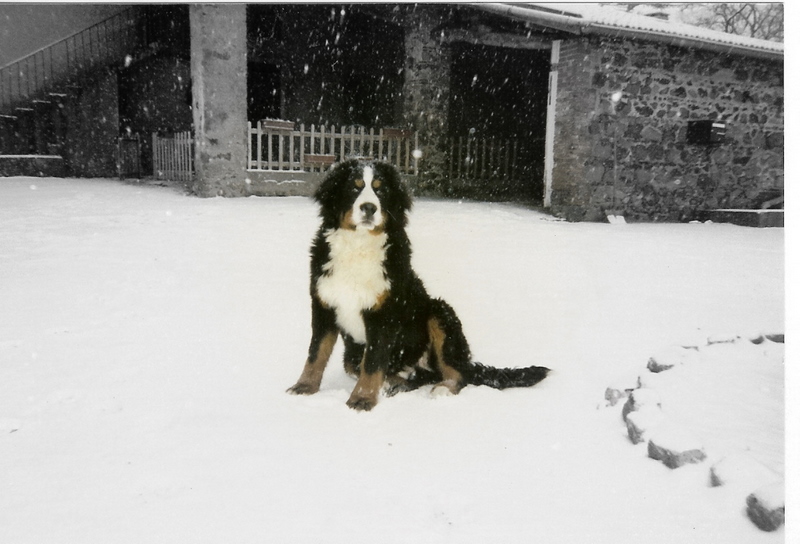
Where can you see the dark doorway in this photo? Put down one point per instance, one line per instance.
(324, 64)
(263, 91)
(265, 51)
(358, 60)
(501, 94)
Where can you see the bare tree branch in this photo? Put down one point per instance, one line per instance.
(754, 19)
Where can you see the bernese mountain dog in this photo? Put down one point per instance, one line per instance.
(396, 336)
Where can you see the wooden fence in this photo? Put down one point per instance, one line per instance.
(485, 158)
(277, 145)
(173, 157)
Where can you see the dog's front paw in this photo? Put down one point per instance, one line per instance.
(362, 404)
(303, 388)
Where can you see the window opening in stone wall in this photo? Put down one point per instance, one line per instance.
(705, 132)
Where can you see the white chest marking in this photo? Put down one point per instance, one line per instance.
(354, 277)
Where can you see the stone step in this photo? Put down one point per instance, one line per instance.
(748, 218)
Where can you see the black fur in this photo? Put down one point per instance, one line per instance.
(407, 325)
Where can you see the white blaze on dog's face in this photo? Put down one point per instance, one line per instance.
(367, 212)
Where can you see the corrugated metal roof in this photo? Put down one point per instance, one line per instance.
(598, 19)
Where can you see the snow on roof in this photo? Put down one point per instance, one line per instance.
(599, 19)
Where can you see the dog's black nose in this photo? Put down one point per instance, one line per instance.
(369, 209)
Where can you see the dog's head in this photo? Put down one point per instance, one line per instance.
(363, 195)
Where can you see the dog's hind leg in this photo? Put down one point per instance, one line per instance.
(323, 338)
(451, 355)
(419, 377)
(353, 354)
(452, 380)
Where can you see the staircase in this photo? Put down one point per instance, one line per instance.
(53, 67)
(35, 89)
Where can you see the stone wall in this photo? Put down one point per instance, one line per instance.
(92, 127)
(11, 137)
(31, 165)
(426, 96)
(659, 174)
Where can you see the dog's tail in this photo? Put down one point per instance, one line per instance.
(503, 378)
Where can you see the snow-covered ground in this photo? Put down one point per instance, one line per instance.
(147, 339)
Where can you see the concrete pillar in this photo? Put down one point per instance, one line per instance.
(219, 97)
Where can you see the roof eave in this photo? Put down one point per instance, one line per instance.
(684, 41)
(579, 26)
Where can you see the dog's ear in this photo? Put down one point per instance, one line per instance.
(401, 197)
(327, 188)
(327, 194)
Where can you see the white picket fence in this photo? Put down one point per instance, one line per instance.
(276, 145)
(173, 157)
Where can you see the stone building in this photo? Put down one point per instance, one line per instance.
(584, 110)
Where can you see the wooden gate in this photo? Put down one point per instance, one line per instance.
(497, 167)
(173, 157)
(129, 152)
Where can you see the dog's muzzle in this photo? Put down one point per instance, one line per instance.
(368, 210)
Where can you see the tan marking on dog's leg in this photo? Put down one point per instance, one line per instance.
(452, 379)
(309, 380)
(365, 393)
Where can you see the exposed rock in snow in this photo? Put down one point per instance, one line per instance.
(640, 398)
(766, 507)
(723, 339)
(674, 446)
(742, 470)
(670, 357)
(759, 338)
(642, 422)
(9, 425)
(696, 414)
(613, 395)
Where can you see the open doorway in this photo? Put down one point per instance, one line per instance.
(497, 120)
(263, 91)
